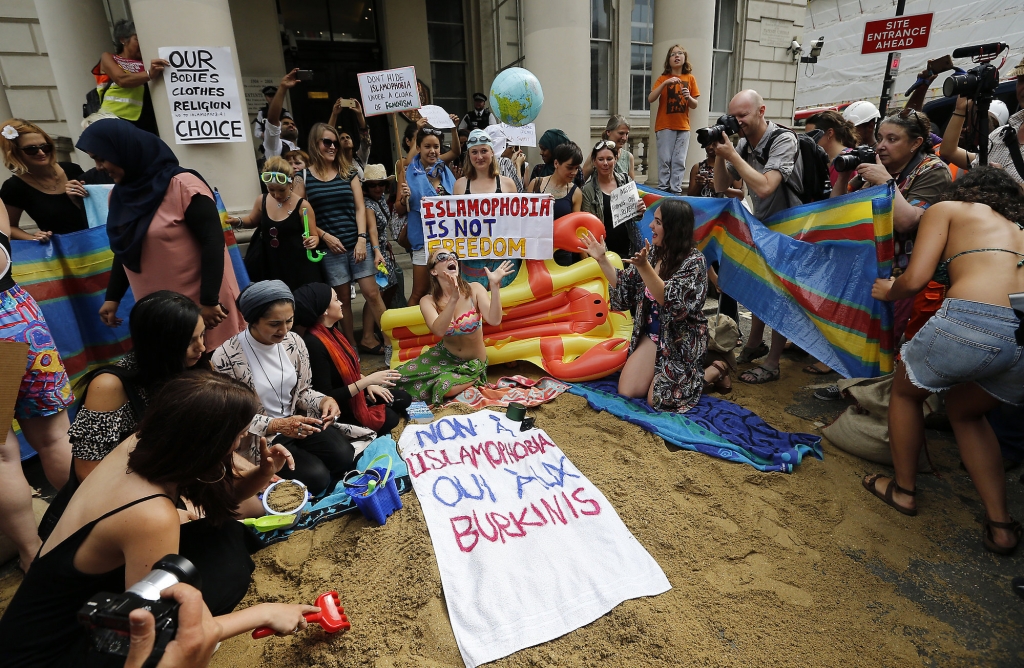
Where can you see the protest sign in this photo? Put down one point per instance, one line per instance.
(498, 139)
(496, 226)
(203, 93)
(388, 91)
(524, 135)
(437, 117)
(528, 548)
(624, 199)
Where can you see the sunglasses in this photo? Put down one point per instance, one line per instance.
(47, 149)
(275, 177)
(444, 256)
(478, 141)
(432, 131)
(605, 143)
(330, 143)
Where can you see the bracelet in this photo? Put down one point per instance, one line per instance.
(363, 235)
(960, 115)
(374, 247)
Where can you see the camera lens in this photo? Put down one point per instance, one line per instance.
(965, 85)
(846, 162)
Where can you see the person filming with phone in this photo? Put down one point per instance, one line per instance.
(280, 133)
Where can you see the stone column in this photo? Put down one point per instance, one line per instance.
(230, 167)
(5, 113)
(76, 32)
(691, 24)
(556, 40)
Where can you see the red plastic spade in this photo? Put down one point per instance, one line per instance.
(331, 616)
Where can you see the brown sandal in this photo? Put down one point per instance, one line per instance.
(991, 545)
(869, 484)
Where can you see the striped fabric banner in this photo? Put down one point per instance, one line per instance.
(241, 275)
(807, 271)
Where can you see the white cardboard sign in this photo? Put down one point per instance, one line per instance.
(624, 199)
(524, 135)
(437, 117)
(389, 91)
(203, 93)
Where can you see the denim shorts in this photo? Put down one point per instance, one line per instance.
(419, 257)
(342, 268)
(967, 342)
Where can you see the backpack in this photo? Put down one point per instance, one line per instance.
(816, 185)
(94, 98)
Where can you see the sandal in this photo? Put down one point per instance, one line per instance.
(376, 350)
(991, 545)
(869, 484)
(719, 384)
(750, 354)
(816, 370)
(759, 375)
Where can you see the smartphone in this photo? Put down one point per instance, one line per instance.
(304, 75)
(346, 102)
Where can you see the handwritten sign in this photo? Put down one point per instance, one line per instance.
(513, 520)
(203, 93)
(624, 199)
(388, 91)
(496, 226)
(437, 117)
(498, 139)
(524, 135)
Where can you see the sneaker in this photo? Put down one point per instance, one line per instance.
(830, 393)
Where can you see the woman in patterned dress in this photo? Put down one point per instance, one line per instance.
(376, 187)
(670, 332)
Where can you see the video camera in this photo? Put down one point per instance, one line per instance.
(861, 155)
(106, 615)
(978, 83)
(727, 125)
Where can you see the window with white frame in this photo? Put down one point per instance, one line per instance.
(641, 52)
(446, 35)
(600, 54)
(722, 54)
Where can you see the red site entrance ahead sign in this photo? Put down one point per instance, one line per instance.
(897, 34)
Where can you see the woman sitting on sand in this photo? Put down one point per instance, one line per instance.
(670, 332)
(123, 519)
(455, 311)
(970, 349)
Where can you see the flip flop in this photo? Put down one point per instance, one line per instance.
(759, 375)
(869, 484)
(377, 350)
(750, 354)
(816, 371)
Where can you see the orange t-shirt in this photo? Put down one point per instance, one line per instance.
(673, 112)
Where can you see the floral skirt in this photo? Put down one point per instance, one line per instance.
(436, 371)
(45, 387)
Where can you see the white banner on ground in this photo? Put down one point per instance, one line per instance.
(389, 91)
(624, 199)
(527, 547)
(203, 93)
(437, 117)
(495, 226)
(524, 135)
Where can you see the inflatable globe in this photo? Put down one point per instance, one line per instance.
(516, 97)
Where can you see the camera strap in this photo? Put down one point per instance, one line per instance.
(1010, 139)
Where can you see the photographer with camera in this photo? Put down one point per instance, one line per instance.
(123, 519)
(1004, 142)
(774, 181)
(904, 158)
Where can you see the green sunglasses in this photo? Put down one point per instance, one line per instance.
(275, 177)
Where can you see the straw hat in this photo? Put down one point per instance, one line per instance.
(375, 173)
(1017, 71)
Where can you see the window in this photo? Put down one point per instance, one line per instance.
(330, 20)
(641, 53)
(446, 35)
(508, 32)
(721, 56)
(600, 54)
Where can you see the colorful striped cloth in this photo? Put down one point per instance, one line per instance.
(241, 275)
(807, 271)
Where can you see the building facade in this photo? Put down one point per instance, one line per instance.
(594, 58)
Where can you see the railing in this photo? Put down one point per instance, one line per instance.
(638, 143)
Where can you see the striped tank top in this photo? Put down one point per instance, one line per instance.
(335, 207)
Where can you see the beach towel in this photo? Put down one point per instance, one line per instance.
(528, 548)
(518, 389)
(806, 272)
(713, 427)
(97, 204)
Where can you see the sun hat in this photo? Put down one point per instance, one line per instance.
(376, 173)
(861, 112)
(1017, 71)
(998, 109)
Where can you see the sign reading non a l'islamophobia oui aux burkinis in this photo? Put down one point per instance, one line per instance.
(389, 91)
(202, 91)
(490, 227)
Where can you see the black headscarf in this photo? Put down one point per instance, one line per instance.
(551, 139)
(311, 300)
(149, 165)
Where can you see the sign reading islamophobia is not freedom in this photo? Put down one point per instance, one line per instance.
(203, 93)
(495, 226)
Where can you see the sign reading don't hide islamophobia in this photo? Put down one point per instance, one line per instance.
(202, 91)
(490, 227)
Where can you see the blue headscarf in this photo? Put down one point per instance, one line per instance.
(149, 165)
(419, 187)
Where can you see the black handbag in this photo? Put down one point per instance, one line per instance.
(256, 257)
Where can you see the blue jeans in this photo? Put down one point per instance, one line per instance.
(672, 146)
(342, 268)
(967, 342)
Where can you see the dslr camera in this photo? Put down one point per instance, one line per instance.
(977, 82)
(863, 154)
(106, 615)
(726, 126)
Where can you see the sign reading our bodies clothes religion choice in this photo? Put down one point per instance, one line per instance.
(203, 94)
(490, 227)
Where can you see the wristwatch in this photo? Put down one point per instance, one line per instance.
(363, 235)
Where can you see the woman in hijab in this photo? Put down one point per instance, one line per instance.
(547, 144)
(164, 228)
(272, 360)
(370, 401)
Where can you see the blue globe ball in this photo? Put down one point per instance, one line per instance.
(516, 97)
